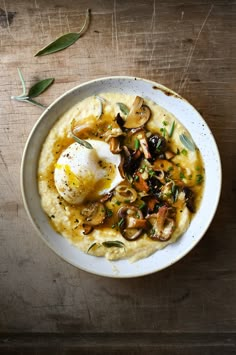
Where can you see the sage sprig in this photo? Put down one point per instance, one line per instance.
(108, 244)
(34, 91)
(187, 142)
(65, 40)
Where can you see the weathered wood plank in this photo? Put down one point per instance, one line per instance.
(188, 46)
(120, 343)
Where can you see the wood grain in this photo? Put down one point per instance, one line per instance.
(188, 308)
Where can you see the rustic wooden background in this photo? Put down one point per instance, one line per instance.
(46, 304)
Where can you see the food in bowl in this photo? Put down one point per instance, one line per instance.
(120, 176)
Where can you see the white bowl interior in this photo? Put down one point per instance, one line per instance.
(186, 114)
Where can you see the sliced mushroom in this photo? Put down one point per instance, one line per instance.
(124, 192)
(131, 161)
(154, 185)
(139, 114)
(162, 225)
(106, 197)
(94, 213)
(169, 155)
(83, 130)
(160, 175)
(131, 222)
(115, 146)
(189, 198)
(114, 131)
(136, 140)
(150, 203)
(169, 167)
(87, 228)
(139, 183)
(120, 121)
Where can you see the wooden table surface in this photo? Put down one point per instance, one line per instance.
(48, 305)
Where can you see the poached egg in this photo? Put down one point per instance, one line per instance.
(82, 174)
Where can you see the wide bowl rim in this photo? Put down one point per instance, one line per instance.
(53, 104)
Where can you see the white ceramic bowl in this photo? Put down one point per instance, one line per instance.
(186, 114)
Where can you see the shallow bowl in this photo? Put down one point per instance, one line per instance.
(186, 114)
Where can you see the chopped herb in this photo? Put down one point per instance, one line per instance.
(177, 152)
(165, 123)
(143, 204)
(127, 201)
(197, 168)
(109, 126)
(184, 152)
(151, 172)
(136, 143)
(170, 168)
(199, 179)
(121, 221)
(113, 226)
(172, 129)
(181, 175)
(118, 202)
(163, 131)
(109, 212)
(136, 178)
(158, 145)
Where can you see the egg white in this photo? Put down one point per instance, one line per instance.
(82, 174)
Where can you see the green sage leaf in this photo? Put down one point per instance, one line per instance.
(124, 109)
(40, 87)
(82, 142)
(113, 243)
(187, 142)
(100, 109)
(65, 40)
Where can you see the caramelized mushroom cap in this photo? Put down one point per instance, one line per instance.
(131, 222)
(139, 114)
(94, 213)
(162, 225)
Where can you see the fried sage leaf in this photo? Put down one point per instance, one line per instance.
(82, 142)
(65, 40)
(187, 142)
(124, 109)
(113, 243)
(40, 87)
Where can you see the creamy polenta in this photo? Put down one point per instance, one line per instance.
(119, 176)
